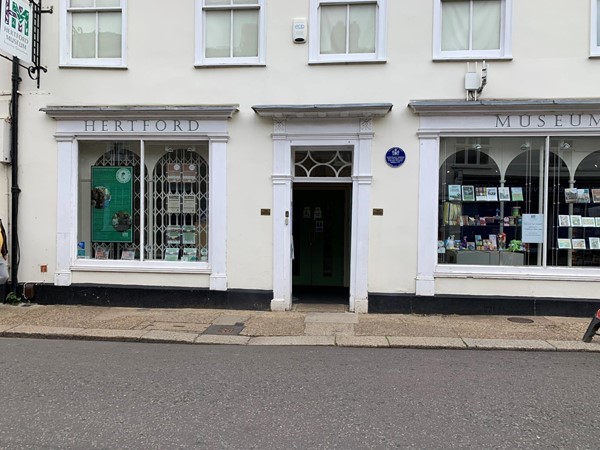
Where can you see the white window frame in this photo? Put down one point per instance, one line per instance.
(72, 128)
(314, 29)
(201, 60)
(504, 52)
(594, 44)
(66, 59)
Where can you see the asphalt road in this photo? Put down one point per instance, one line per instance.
(102, 395)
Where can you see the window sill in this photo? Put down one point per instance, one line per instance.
(95, 265)
(518, 272)
(92, 66)
(471, 58)
(232, 64)
(348, 61)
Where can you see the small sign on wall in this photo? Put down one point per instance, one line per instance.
(395, 157)
(17, 27)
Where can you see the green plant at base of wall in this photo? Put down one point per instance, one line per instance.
(13, 299)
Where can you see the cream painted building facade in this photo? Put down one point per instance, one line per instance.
(244, 152)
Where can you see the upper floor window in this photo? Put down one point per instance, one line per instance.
(595, 38)
(347, 30)
(230, 32)
(472, 29)
(93, 33)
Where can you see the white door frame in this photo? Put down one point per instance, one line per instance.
(321, 125)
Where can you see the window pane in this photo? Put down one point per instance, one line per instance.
(109, 200)
(575, 189)
(363, 28)
(217, 2)
(598, 24)
(245, 33)
(333, 29)
(245, 2)
(81, 3)
(218, 34)
(491, 201)
(107, 3)
(109, 35)
(486, 24)
(177, 225)
(84, 35)
(455, 25)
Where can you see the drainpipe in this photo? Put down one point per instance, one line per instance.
(14, 159)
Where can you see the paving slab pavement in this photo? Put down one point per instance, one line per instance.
(304, 326)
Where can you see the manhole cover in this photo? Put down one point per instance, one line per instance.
(520, 320)
(225, 330)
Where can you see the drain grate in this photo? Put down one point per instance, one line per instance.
(520, 320)
(225, 330)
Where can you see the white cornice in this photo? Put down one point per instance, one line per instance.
(334, 111)
(163, 112)
(462, 107)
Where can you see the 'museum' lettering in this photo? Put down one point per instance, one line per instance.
(549, 120)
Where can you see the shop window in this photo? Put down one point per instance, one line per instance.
(595, 28)
(472, 29)
(230, 32)
(164, 217)
(347, 30)
(499, 207)
(94, 33)
(491, 202)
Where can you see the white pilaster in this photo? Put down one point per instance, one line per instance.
(427, 215)
(66, 210)
(217, 233)
(361, 204)
(282, 221)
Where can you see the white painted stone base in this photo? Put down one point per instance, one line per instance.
(361, 306)
(218, 282)
(62, 279)
(280, 304)
(425, 286)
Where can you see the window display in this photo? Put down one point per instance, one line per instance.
(165, 217)
(498, 206)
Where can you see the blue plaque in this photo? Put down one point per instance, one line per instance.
(395, 157)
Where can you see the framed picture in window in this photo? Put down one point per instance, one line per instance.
(588, 222)
(504, 194)
(564, 243)
(564, 220)
(468, 193)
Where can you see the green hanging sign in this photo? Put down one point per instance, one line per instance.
(112, 204)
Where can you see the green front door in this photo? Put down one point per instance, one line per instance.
(319, 237)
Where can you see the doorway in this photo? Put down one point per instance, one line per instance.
(321, 243)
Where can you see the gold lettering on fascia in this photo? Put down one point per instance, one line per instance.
(548, 121)
(143, 125)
